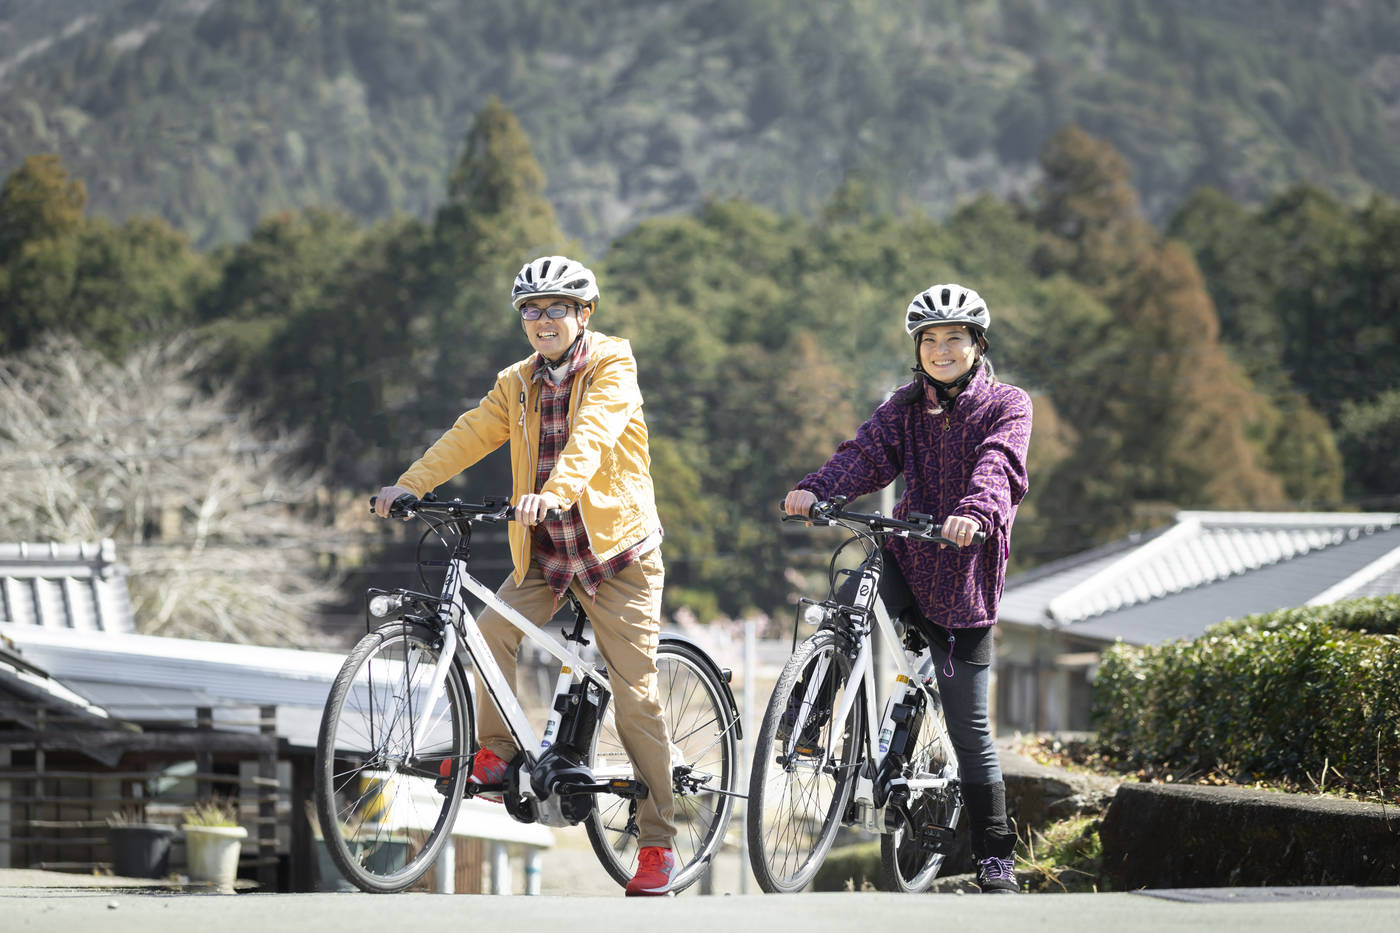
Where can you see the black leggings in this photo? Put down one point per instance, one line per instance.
(965, 703)
(965, 691)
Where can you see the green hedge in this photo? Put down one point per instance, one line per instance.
(1280, 697)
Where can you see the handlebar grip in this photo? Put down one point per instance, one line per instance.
(550, 515)
(399, 506)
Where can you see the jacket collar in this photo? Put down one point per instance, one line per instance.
(976, 386)
(578, 359)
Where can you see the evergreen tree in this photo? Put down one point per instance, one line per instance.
(1164, 415)
(41, 213)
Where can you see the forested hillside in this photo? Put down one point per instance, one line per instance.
(212, 114)
(299, 220)
(1251, 360)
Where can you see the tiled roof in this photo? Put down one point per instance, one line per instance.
(64, 586)
(1223, 563)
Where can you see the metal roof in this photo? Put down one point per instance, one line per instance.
(145, 679)
(27, 683)
(64, 586)
(1207, 567)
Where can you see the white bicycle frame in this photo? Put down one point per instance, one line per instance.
(457, 617)
(907, 680)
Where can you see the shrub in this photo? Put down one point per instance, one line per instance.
(1306, 697)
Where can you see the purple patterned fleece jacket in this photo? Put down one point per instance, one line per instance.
(971, 461)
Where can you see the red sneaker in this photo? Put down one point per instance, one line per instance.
(655, 869)
(487, 768)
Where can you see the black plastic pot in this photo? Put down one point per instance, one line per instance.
(141, 850)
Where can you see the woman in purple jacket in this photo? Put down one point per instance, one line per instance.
(959, 439)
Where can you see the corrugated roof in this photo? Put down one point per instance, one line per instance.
(1319, 556)
(64, 586)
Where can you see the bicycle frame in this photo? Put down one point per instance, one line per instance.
(456, 617)
(878, 732)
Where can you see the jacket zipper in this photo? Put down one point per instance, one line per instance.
(524, 430)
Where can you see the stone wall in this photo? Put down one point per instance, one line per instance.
(1179, 836)
(1168, 836)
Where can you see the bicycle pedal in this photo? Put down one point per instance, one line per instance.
(936, 838)
(623, 787)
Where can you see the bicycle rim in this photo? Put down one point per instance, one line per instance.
(704, 759)
(803, 766)
(905, 865)
(381, 817)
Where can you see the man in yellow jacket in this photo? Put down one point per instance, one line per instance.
(572, 413)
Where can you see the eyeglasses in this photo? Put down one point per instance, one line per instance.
(553, 312)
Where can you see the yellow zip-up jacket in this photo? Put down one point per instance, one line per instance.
(605, 467)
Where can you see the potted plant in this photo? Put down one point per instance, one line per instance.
(139, 849)
(213, 841)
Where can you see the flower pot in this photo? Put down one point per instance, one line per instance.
(141, 850)
(211, 853)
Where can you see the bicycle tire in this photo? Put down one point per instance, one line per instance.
(381, 817)
(790, 794)
(905, 866)
(699, 725)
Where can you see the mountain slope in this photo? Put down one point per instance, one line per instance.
(213, 113)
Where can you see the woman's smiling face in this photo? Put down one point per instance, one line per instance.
(947, 351)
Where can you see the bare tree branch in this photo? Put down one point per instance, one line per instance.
(209, 514)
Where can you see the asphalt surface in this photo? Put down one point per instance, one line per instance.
(47, 901)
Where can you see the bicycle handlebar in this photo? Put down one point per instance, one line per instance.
(917, 525)
(491, 509)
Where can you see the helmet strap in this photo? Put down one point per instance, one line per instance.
(947, 391)
(568, 353)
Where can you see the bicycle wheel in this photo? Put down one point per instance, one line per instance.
(382, 819)
(704, 762)
(905, 865)
(804, 765)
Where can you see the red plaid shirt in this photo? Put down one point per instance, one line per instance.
(561, 547)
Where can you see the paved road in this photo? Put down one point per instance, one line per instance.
(28, 903)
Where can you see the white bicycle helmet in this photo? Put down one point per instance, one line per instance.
(554, 275)
(947, 304)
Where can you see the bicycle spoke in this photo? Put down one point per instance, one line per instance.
(382, 819)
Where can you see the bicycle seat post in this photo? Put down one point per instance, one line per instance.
(580, 617)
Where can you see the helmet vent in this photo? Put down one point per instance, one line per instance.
(577, 283)
(544, 269)
(529, 275)
(946, 296)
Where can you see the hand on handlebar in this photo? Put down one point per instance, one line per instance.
(960, 529)
(531, 509)
(799, 502)
(388, 495)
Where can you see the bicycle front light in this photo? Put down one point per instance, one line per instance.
(384, 605)
(813, 614)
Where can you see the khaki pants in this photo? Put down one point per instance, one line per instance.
(626, 621)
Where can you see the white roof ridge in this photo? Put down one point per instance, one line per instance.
(1064, 608)
(1343, 588)
(1227, 544)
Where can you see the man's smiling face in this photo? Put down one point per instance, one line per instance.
(550, 336)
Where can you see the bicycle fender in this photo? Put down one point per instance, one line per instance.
(714, 668)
